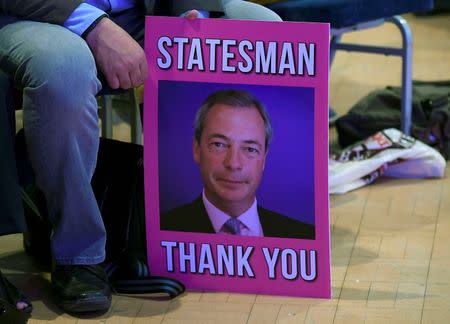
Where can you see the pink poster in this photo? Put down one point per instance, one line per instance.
(236, 155)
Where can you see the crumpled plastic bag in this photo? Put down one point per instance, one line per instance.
(390, 153)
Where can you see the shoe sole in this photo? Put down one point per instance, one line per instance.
(87, 305)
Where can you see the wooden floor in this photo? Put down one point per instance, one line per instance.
(390, 240)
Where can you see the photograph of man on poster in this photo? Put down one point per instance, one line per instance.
(232, 138)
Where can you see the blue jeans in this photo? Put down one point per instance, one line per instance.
(55, 70)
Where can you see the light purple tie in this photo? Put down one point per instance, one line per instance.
(233, 226)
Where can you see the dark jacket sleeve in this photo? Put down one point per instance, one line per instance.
(51, 11)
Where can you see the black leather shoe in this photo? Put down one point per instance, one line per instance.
(81, 288)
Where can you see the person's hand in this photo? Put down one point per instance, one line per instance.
(119, 57)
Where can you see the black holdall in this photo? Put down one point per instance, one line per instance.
(118, 184)
(380, 110)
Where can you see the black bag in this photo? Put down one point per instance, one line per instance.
(381, 109)
(118, 184)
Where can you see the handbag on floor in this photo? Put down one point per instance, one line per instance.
(118, 184)
(390, 153)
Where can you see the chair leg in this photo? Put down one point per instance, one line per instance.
(406, 72)
(135, 122)
(406, 54)
(106, 116)
(334, 40)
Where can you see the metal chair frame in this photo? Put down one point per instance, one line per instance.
(405, 52)
(135, 120)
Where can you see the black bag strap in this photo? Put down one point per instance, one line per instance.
(133, 278)
(151, 284)
(130, 274)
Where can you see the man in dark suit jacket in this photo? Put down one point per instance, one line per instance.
(194, 218)
(231, 142)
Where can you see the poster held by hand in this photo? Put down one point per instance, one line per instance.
(236, 155)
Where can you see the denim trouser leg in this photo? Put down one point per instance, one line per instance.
(57, 74)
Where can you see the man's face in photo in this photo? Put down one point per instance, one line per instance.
(231, 155)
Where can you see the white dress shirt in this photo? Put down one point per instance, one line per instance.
(250, 224)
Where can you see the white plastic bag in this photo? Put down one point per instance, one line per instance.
(390, 153)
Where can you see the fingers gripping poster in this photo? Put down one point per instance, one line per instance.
(236, 150)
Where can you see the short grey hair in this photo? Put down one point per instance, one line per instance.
(233, 98)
